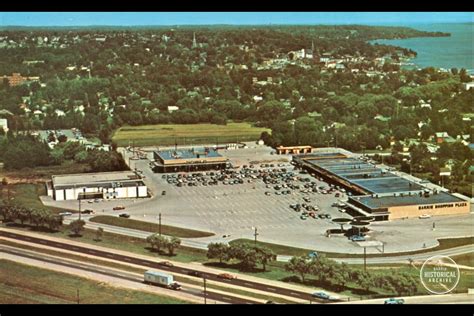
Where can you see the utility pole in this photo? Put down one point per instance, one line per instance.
(205, 291)
(365, 259)
(77, 296)
(255, 234)
(79, 198)
(159, 225)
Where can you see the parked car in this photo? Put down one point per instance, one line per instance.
(424, 216)
(166, 263)
(394, 301)
(119, 208)
(124, 215)
(227, 276)
(357, 238)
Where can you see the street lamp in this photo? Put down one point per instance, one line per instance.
(255, 234)
(159, 224)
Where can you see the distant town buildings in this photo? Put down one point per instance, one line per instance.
(17, 79)
(469, 85)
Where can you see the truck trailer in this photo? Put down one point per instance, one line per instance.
(161, 279)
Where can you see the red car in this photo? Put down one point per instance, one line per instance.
(227, 276)
(119, 208)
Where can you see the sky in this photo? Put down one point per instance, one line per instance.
(240, 18)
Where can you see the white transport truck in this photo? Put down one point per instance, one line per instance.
(161, 279)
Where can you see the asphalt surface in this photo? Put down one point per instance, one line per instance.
(152, 264)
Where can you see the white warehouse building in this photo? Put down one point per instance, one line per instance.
(103, 185)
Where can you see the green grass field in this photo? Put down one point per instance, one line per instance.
(186, 134)
(24, 284)
(27, 195)
(149, 227)
(36, 174)
(465, 259)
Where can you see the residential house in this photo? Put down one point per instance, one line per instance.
(4, 124)
(172, 108)
(442, 137)
(469, 85)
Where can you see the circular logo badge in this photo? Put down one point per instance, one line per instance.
(440, 274)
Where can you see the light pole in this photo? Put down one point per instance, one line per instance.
(205, 291)
(159, 224)
(255, 234)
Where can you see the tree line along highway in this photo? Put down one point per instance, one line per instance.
(152, 264)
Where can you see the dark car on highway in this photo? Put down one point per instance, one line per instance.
(195, 274)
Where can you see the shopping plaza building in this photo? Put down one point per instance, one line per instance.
(376, 191)
(188, 159)
(103, 185)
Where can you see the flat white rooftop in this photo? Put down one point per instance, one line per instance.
(94, 178)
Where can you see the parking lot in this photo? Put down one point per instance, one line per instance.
(231, 203)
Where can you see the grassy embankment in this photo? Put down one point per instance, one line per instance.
(24, 284)
(149, 227)
(26, 195)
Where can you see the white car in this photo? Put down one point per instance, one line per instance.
(65, 214)
(424, 216)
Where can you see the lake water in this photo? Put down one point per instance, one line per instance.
(456, 51)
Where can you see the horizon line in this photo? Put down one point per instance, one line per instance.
(236, 24)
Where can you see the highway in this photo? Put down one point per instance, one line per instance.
(121, 275)
(153, 264)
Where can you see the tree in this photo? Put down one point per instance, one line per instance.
(218, 251)
(265, 256)
(77, 226)
(300, 265)
(99, 233)
(62, 138)
(324, 268)
(23, 215)
(172, 244)
(340, 274)
(365, 280)
(53, 221)
(156, 241)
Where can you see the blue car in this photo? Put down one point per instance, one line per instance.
(322, 295)
(394, 301)
(357, 238)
